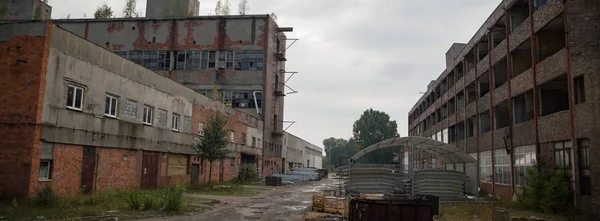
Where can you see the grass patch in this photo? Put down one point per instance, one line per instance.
(124, 205)
(231, 189)
(483, 211)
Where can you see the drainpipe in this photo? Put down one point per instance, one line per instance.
(575, 152)
(492, 124)
(510, 110)
(535, 94)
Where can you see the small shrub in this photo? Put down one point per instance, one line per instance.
(148, 202)
(547, 191)
(172, 197)
(135, 199)
(45, 197)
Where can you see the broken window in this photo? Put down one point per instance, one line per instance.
(188, 60)
(226, 59)
(585, 184)
(249, 60)
(208, 61)
(500, 73)
(501, 115)
(471, 127)
(153, 60)
(485, 166)
(519, 13)
(451, 107)
(484, 122)
(520, 59)
(460, 71)
(562, 155)
(524, 159)
(579, 89)
(522, 107)
(470, 61)
(502, 171)
(482, 48)
(444, 111)
(46, 160)
(550, 39)
(451, 79)
(554, 96)
(498, 31)
(484, 83)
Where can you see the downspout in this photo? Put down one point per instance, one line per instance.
(535, 94)
(492, 123)
(575, 152)
(510, 110)
(264, 117)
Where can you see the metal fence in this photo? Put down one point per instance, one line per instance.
(449, 185)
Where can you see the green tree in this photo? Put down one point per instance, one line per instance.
(337, 148)
(129, 9)
(373, 127)
(103, 11)
(212, 145)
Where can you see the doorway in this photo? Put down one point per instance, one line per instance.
(88, 170)
(149, 170)
(195, 174)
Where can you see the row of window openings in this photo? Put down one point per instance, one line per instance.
(553, 97)
(243, 138)
(75, 97)
(197, 60)
(548, 41)
(237, 99)
(525, 159)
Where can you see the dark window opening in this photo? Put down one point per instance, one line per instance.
(452, 133)
(484, 83)
(522, 107)
(471, 92)
(500, 73)
(444, 86)
(482, 48)
(584, 167)
(579, 89)
(521, 59)
(451, 107)
(460, 130)
(554, 96)
(460, 101)
(444, 111)
(484, 122)
(498, 32)
(471, 127)
(518, 13)
(451, 80)
(550, 39)
(470, 61)
(438, 114)
(460, 71)
(501, 115)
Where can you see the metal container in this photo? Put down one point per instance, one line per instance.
(390, 210)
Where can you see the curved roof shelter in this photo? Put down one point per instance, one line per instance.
(448, 152)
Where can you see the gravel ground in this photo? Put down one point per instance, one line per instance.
(282, 203)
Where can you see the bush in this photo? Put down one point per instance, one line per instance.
(135, 199)
(45, 197)
(247, 174)
(172, 197)
(547, 191)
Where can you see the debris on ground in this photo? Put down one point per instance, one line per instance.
(314, 216)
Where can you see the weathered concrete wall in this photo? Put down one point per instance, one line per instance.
(171, 8)
(23, 56)
(24, 10)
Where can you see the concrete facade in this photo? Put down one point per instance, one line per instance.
(300, 153)
(513, 104)
(24, 10)
(58, 129)
(221, 35)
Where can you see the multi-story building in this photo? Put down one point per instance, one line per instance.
(76, 115)
(241, 57)
(519, 93)
(300, 153)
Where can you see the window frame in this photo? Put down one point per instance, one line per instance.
(74, 98)
(201, 129)
(148, 115)
(243, 139)
(48, 176)
(110, 103)
(232, 136)
(585, 185)
(175, 122)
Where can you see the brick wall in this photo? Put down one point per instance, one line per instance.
(23, 59)
(118, 169)
(66, 172)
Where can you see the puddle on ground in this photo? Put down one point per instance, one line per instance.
(295, 207)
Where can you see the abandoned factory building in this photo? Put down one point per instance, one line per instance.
(115, 103)
(521, 93)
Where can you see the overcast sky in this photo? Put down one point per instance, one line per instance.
(352, 54)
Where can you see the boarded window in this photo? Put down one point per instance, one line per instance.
(177, 164)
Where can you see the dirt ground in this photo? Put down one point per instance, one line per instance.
(282, 203)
